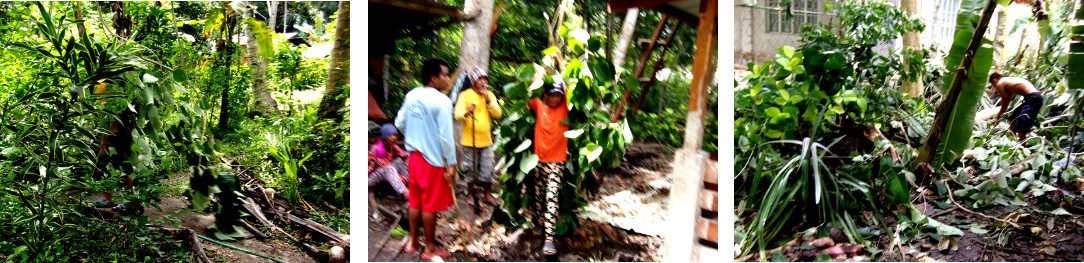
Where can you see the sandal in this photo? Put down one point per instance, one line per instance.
(406, 248)
(548, 249)
(443, 254)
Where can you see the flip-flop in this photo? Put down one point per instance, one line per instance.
(548, 249)
(416, 247)
(443, 254)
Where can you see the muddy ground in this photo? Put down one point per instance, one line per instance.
(485, 241)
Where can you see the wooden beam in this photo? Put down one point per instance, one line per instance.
(709, 200)
(639, 71)
(496, 14)
(618, 6)
(679, 14)
(702, 74)
(707, 229)
(435, 8)
(658, 65)
(650, 47)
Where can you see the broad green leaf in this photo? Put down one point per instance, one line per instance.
(977, 229)
(263, 36)
(148, 78)
(944, 229)
(528, 164)
(958, 131)
(573, 133)
(774, 134)
(179, 75)
(550, 51)
(593, 151)
(526, 72)
(522, 146)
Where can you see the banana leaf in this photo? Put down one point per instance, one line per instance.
(1074, 70)
(958, 131)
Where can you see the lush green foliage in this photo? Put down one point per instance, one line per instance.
(810, 97)
(88, 110)
(594, 142)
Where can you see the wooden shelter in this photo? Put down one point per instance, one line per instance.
(391, 20)
(694, 199)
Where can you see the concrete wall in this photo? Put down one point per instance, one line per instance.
(753, 43)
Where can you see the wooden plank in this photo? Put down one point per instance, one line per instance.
(618, 6)
(428, 8)
(711, 172)
(311, 226)
(680, 15)
(709, 200)
(707, 229)
(705, 253)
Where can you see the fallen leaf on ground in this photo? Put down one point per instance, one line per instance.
(823, 242)
(948, 243)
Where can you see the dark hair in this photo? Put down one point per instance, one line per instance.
(993, 76)
(431, 67)
(467, 84)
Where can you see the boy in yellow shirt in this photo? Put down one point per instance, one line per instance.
(476, 108)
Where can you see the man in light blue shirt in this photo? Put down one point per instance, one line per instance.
(426, 122)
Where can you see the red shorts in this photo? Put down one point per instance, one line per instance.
(429, 191)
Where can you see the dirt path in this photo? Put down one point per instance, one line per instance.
(176, 212)
(479, 240)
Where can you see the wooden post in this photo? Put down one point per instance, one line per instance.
(702, 75)
(689, 170)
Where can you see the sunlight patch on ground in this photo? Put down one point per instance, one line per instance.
(304, 97)
(642, 212)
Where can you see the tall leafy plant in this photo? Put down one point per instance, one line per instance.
(594, 141)
(957, 129)
(55, 123)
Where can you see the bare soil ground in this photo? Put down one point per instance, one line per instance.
(474, 238)
(176, 213)
(1039, 237)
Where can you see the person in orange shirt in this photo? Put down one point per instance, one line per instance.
(551, 147)
(476, 108)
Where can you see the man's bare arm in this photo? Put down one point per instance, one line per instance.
(1006, 98)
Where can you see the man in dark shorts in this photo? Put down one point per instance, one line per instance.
(1023, 118)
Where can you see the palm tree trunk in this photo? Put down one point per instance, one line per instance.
(258, 63)
(339, 69)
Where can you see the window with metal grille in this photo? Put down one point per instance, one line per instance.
(804, 13)
(943, 28)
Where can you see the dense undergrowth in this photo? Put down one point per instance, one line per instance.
(831, 144)
(92, 106)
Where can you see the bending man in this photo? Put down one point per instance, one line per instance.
(1023, 118)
